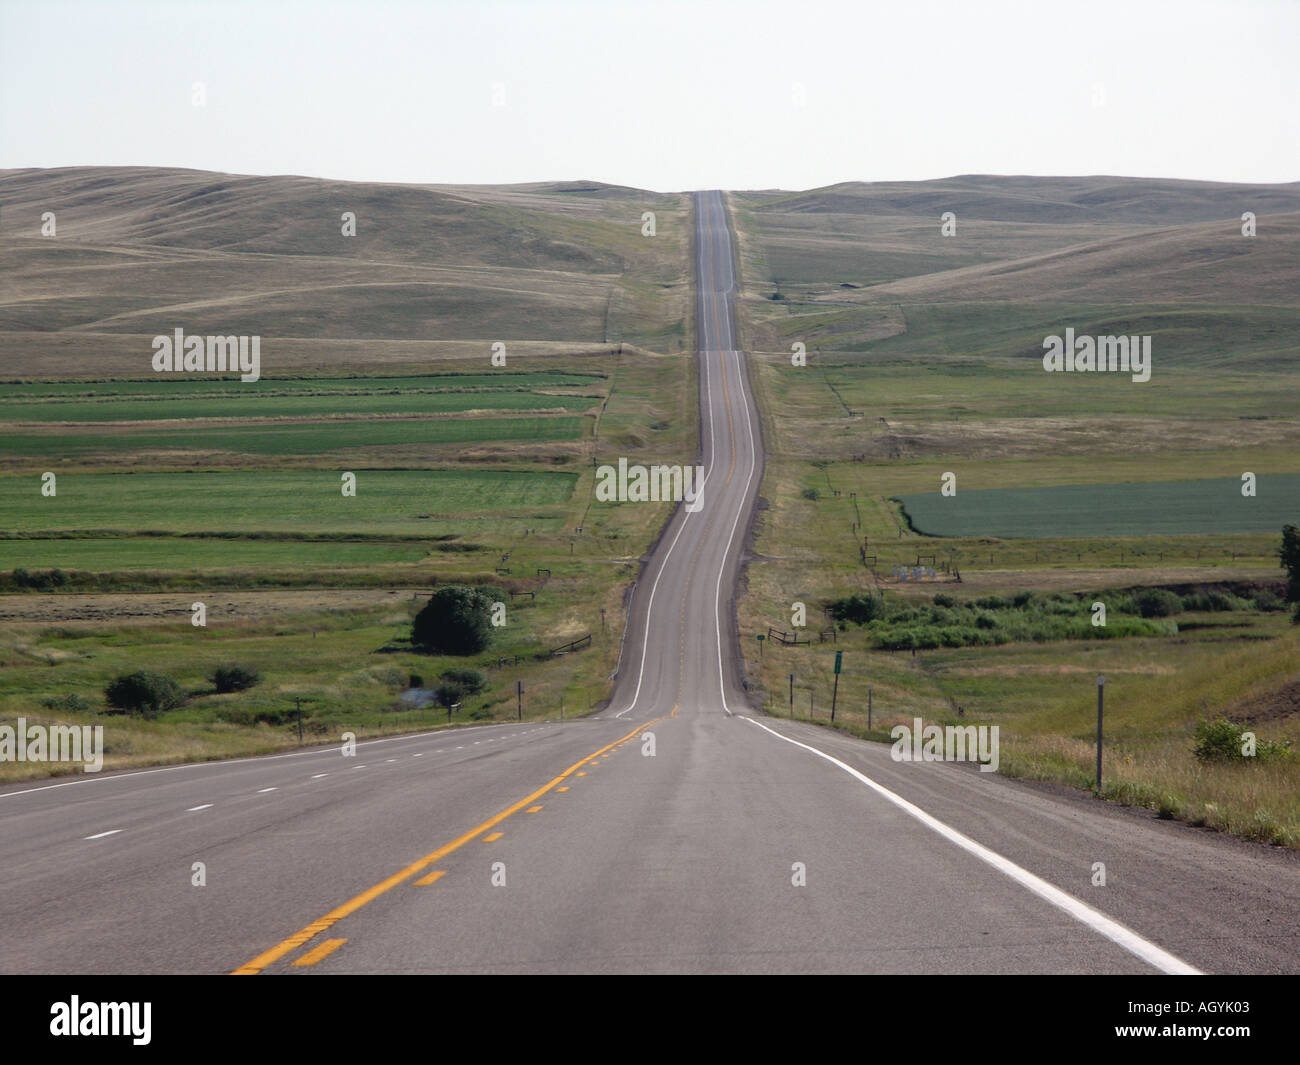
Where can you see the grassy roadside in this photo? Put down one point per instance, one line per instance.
(899, 391)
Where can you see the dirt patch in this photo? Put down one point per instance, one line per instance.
(1272, 706)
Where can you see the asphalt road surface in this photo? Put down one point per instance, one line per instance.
(677, 831)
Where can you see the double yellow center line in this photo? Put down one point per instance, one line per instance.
(300, 938)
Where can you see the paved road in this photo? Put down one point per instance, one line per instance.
(739, 844)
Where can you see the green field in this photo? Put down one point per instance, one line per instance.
(1155, 508)
(199, 555)
(389, 501)
(298, 439)
(257, 406)
(166, 386)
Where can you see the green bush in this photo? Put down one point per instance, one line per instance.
(858, 608)
(944, 600)
(40, 582)
(234, 678)
(470, 679)
(1267, 600)
(1157, 603)
(144, 693)
(810, 493)
(1214, 602)
(455, 621)
(449, 693)
(1222, 741)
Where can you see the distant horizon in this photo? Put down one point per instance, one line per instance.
(645, 188)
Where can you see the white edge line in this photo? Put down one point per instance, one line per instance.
(101, 835)
(1080, 911)
(196, 809)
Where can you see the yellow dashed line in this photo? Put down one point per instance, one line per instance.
(269, 957)
(323, 951)
(493, 838)
(533, 809)
(425, 881)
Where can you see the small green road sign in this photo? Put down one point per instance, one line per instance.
(838, 656)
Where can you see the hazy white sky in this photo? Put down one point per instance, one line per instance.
(661, 95)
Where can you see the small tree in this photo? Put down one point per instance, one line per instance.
(455, 621)
(449, 693)
(1289, 553)
(147, 694)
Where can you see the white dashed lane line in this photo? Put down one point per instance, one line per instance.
(319, 776)
(101, 835)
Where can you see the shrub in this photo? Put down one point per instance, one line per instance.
(449, 693)
(234, 678)
(144, 693)
(1157, 603)
(1222, 741)
(992, 602)
(455, 621)
(944, 600)
(810, 493)
(858, 608)
(1022, 599)
(1267, 600)
(41, 582)
(986, 621)
(470, 679)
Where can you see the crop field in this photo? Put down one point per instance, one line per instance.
(1155, 508)
(376, 361)
(162, 553)
(319, 438)
(387, 501)
(254, 405)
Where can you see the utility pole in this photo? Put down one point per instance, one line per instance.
(1101, 687)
